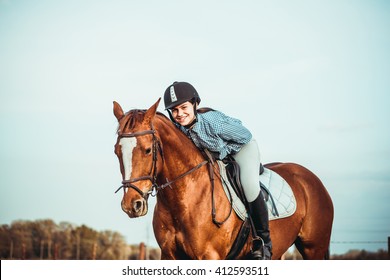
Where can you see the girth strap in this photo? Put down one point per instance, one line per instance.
(213, 208)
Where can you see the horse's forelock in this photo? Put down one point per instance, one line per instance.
(130, 119)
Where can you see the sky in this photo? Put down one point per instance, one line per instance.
(310, 79)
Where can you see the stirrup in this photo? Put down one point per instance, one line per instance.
(257, 252)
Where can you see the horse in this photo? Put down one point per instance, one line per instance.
(157, 159)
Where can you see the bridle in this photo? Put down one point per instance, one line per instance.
(153, 171)
(152, 177)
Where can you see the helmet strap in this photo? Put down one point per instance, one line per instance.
(195, 108)
(170, 116)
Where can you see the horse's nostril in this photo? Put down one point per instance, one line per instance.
(137, 205)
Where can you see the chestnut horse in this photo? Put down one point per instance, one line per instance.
(158, 159)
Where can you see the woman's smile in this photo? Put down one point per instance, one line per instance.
(184, 113)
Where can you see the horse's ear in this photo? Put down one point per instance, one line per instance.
(151, 112)
(118, 112)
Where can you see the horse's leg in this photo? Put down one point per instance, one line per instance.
(313, 241)
(211, 255)
(165, 256)
(314, 237)
(314, 211)
(284, 233)
(311, 251)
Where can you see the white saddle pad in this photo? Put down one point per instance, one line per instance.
(280, 190)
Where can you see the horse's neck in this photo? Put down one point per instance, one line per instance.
(180, 156)
(179, 150)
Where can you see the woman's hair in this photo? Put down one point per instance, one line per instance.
(204, 110)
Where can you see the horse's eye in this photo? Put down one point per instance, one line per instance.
(148, 151)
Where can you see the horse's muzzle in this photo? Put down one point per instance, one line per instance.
(135, 208)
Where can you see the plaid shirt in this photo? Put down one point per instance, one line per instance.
(218, 133)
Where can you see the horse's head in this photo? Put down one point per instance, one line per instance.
(137, 148)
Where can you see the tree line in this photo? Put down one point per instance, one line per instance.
(44, 239)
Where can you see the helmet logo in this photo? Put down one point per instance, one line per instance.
(173, 94)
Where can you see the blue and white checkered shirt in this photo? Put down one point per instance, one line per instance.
(218, 133)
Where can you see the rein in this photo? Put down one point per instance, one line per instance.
(168, 183)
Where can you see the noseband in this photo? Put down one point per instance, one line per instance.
(153, 171)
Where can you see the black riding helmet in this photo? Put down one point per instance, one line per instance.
(178, 93)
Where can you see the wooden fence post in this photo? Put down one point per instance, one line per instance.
(142, 251)
(11, 250)
(94, 249)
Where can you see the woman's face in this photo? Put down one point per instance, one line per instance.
(183, 114)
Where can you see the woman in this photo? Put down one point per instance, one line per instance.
(223, 135)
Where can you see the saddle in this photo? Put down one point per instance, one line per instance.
(229, 171)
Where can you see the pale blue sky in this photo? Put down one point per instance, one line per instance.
(309, 78)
